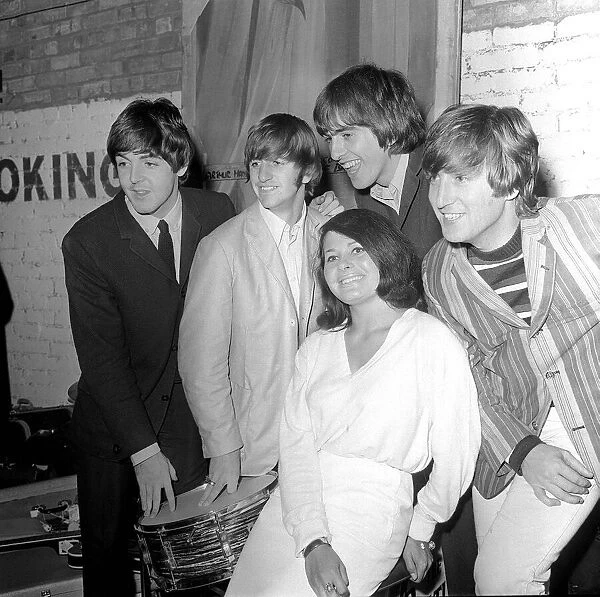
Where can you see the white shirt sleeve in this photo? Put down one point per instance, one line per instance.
(300, 475)
(454, 436)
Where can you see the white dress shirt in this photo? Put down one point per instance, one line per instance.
(290, 242)
(392, 195)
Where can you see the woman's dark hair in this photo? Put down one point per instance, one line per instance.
(154, 127)
(400, 282)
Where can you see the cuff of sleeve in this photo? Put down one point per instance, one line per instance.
(144, 454)
(521, 450)
(223, 442)
(310, 530)
(421, 527)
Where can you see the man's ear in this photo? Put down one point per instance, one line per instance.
(308, 175)
(512, 194)
(182, 171)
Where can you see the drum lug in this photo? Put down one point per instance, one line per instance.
(170, 556)
(166, 545)
(224, 540)
(145, 551)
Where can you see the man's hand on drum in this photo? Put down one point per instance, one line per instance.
(328, 204)
(326, 572)
(223, 471)
(153, 475)
(417, 557)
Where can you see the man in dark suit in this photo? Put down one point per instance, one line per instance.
(370, 120)
(126, 266)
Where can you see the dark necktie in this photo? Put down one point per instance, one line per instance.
(165, 246)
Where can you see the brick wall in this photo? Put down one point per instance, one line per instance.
(544, 57)
(67, 72)
(87, 50)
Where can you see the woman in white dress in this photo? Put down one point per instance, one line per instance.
(378, 392)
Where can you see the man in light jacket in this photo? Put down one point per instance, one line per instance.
(251, 301)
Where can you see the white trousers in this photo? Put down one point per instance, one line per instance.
(518, 537)
(369, 508)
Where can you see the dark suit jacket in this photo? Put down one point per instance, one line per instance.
(125, 309)
(416, 218)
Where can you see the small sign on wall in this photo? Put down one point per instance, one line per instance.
(219, 172)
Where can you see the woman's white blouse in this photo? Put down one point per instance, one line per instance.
(412, 402)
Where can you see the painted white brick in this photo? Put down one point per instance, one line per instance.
(570, 176)
(30, 346)
(561, 98)
(475, 41)
(27, 330)
(581, 73)
(567, 144)
(581, 24)
(63, 349)
(62, 318)
(505, 59)
(570, 50)
(474, 86)
(539, 78)
(530, 34)
(576, 96)
(507, 99)
(36, 316)
(577, 121)
(544, 124)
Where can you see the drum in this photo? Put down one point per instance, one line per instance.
(200, 545)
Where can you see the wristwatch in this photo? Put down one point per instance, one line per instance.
(314, 544)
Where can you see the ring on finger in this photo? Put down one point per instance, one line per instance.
(430, 546)
(329, 587)
(209, 481)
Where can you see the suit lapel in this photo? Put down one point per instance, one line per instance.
(263, 245)
(191, 227)
(307, 282)
(139, 242)
(540, 266)
(412, 182)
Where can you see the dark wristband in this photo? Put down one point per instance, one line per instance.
(314, 544)
(521, 450)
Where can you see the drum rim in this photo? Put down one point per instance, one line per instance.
(207, 516)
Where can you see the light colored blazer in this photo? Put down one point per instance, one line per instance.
(521, 369)
(239, 335)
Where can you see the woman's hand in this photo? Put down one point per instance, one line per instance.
(417, 557)
(326, 573)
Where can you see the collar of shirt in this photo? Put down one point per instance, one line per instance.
(393, 193)
(149, 223)
(278, 227)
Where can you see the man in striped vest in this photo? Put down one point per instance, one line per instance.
(518, 279)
